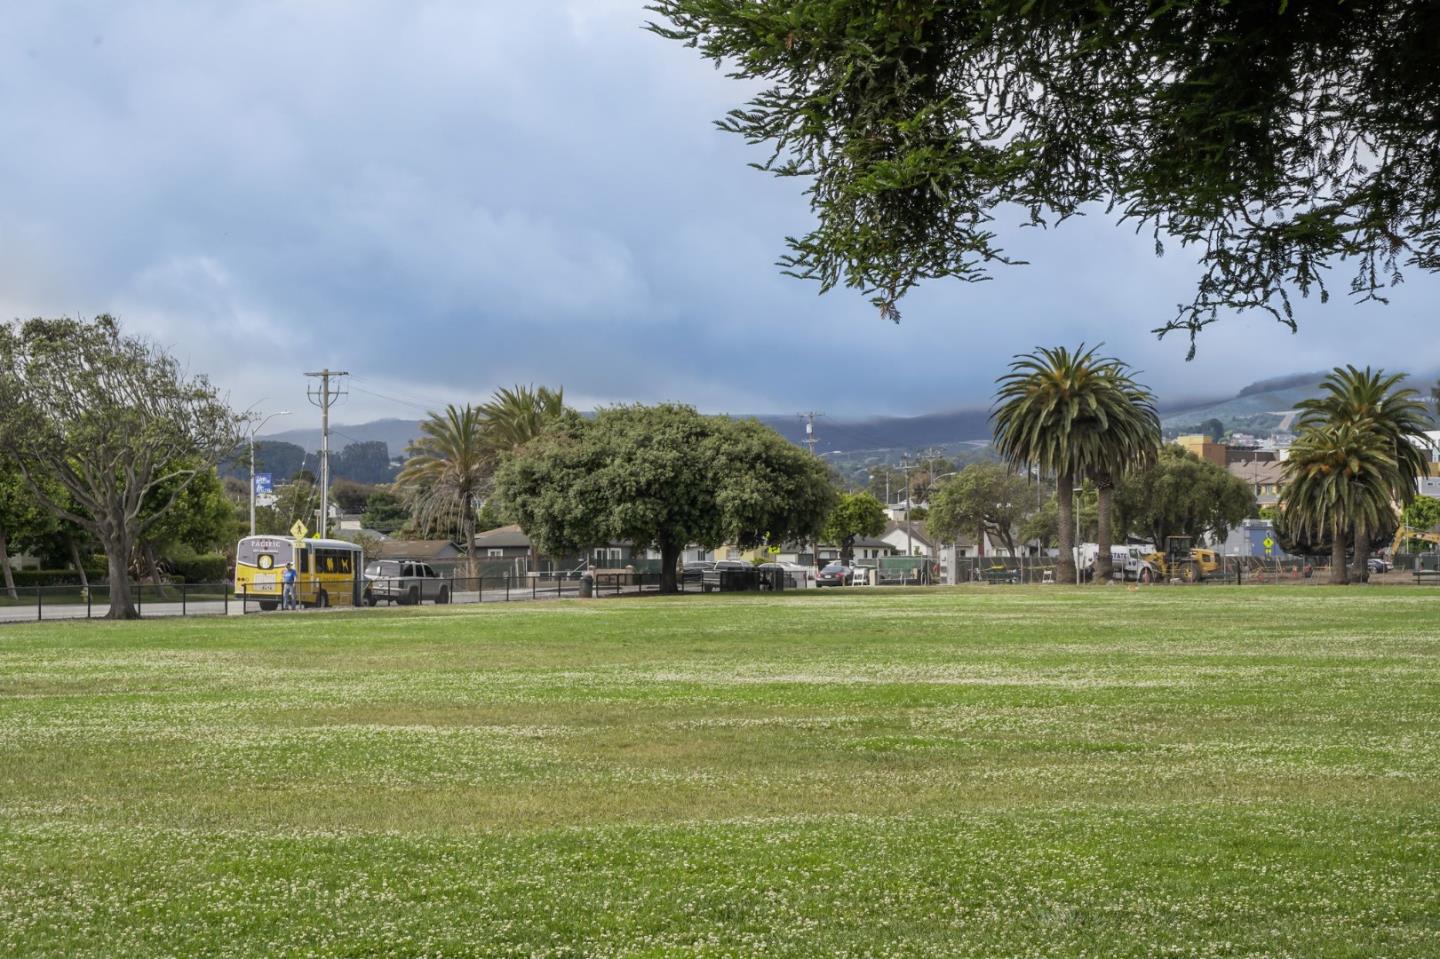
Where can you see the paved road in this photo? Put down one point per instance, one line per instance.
(27, 613)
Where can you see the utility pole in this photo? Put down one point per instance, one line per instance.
(257, 429)
(810, 438)
(324, 396)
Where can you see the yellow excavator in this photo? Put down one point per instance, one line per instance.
(1405, 534)
(1181, 560)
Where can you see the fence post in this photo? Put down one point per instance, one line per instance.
(507, 586)
(139, 598)
(184, 608)
(89, 596)
(225, 597)
(534, 585)
(39, 603)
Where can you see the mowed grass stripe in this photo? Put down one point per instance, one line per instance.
(1217, 771)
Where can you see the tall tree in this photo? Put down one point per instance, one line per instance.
(448, 473)
(1054, 412)
(1179, 494)
(855, 515)
(1130, 441)
(663, 476)
(1338, 477)
(1369, 401)
(983, 499)
(1275, 138)
(514, 417)
(111, 419)
(22, 518)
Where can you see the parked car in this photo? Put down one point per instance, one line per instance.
(693, 572)
(835, 574)
(729, 574)
(407, 582)
(1379, 564)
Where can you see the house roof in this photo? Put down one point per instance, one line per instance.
(872, 542)
(1258, 471)
(916, 529)
(502, 536)
(422, 549)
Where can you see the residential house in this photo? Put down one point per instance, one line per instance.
(909, 539)
(1264, 477)
(445, 556)
(509, 543)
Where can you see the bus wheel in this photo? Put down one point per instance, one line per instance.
(370, 599)
(444, 596)
(268, 606)
(322, 599)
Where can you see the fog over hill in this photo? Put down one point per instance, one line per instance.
(1259, 406)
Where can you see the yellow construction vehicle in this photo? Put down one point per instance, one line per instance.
(1405, 534)
(1181, 560)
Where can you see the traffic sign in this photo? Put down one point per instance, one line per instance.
(299, 529)
(1269, 543)
(264, 484)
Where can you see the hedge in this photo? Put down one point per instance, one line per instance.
(55, 577)
(209, 568)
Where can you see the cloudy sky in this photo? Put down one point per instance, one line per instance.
(445, 197)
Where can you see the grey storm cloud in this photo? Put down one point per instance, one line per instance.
(445, 197)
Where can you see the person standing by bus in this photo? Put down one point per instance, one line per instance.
(287, 597)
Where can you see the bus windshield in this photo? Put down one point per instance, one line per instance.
(264, 553)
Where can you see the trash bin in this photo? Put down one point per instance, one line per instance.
(587, 585)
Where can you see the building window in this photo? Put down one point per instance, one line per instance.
(495, 553)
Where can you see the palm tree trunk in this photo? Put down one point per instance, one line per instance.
(1104, 567)
(1360, 572)
(1337, 555)
(1065, 505)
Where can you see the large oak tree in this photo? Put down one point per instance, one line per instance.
(114, 421)
(663, 476)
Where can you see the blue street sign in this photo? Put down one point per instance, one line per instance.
(262, 484)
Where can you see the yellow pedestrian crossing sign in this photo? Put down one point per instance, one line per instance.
(1269, 546)
(299, 529)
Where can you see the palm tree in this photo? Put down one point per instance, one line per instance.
(514, 417)
(1055, 411)
(1338, 477)
(448, 471)
(1132, 440)
(1368, 401)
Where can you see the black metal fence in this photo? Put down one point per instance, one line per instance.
(39, 603)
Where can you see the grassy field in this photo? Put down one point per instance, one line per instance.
(986, 772)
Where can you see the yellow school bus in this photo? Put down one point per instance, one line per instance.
(328, 571)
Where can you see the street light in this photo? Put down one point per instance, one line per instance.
(257, 429)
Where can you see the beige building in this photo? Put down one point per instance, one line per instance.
(1203, 447)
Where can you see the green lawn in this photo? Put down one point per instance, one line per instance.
(985, 772)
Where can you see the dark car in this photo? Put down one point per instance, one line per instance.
(693, 572)
(1379, 565)
(835, 574)
(729, 574)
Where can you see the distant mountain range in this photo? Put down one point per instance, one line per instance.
(1261, 407)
